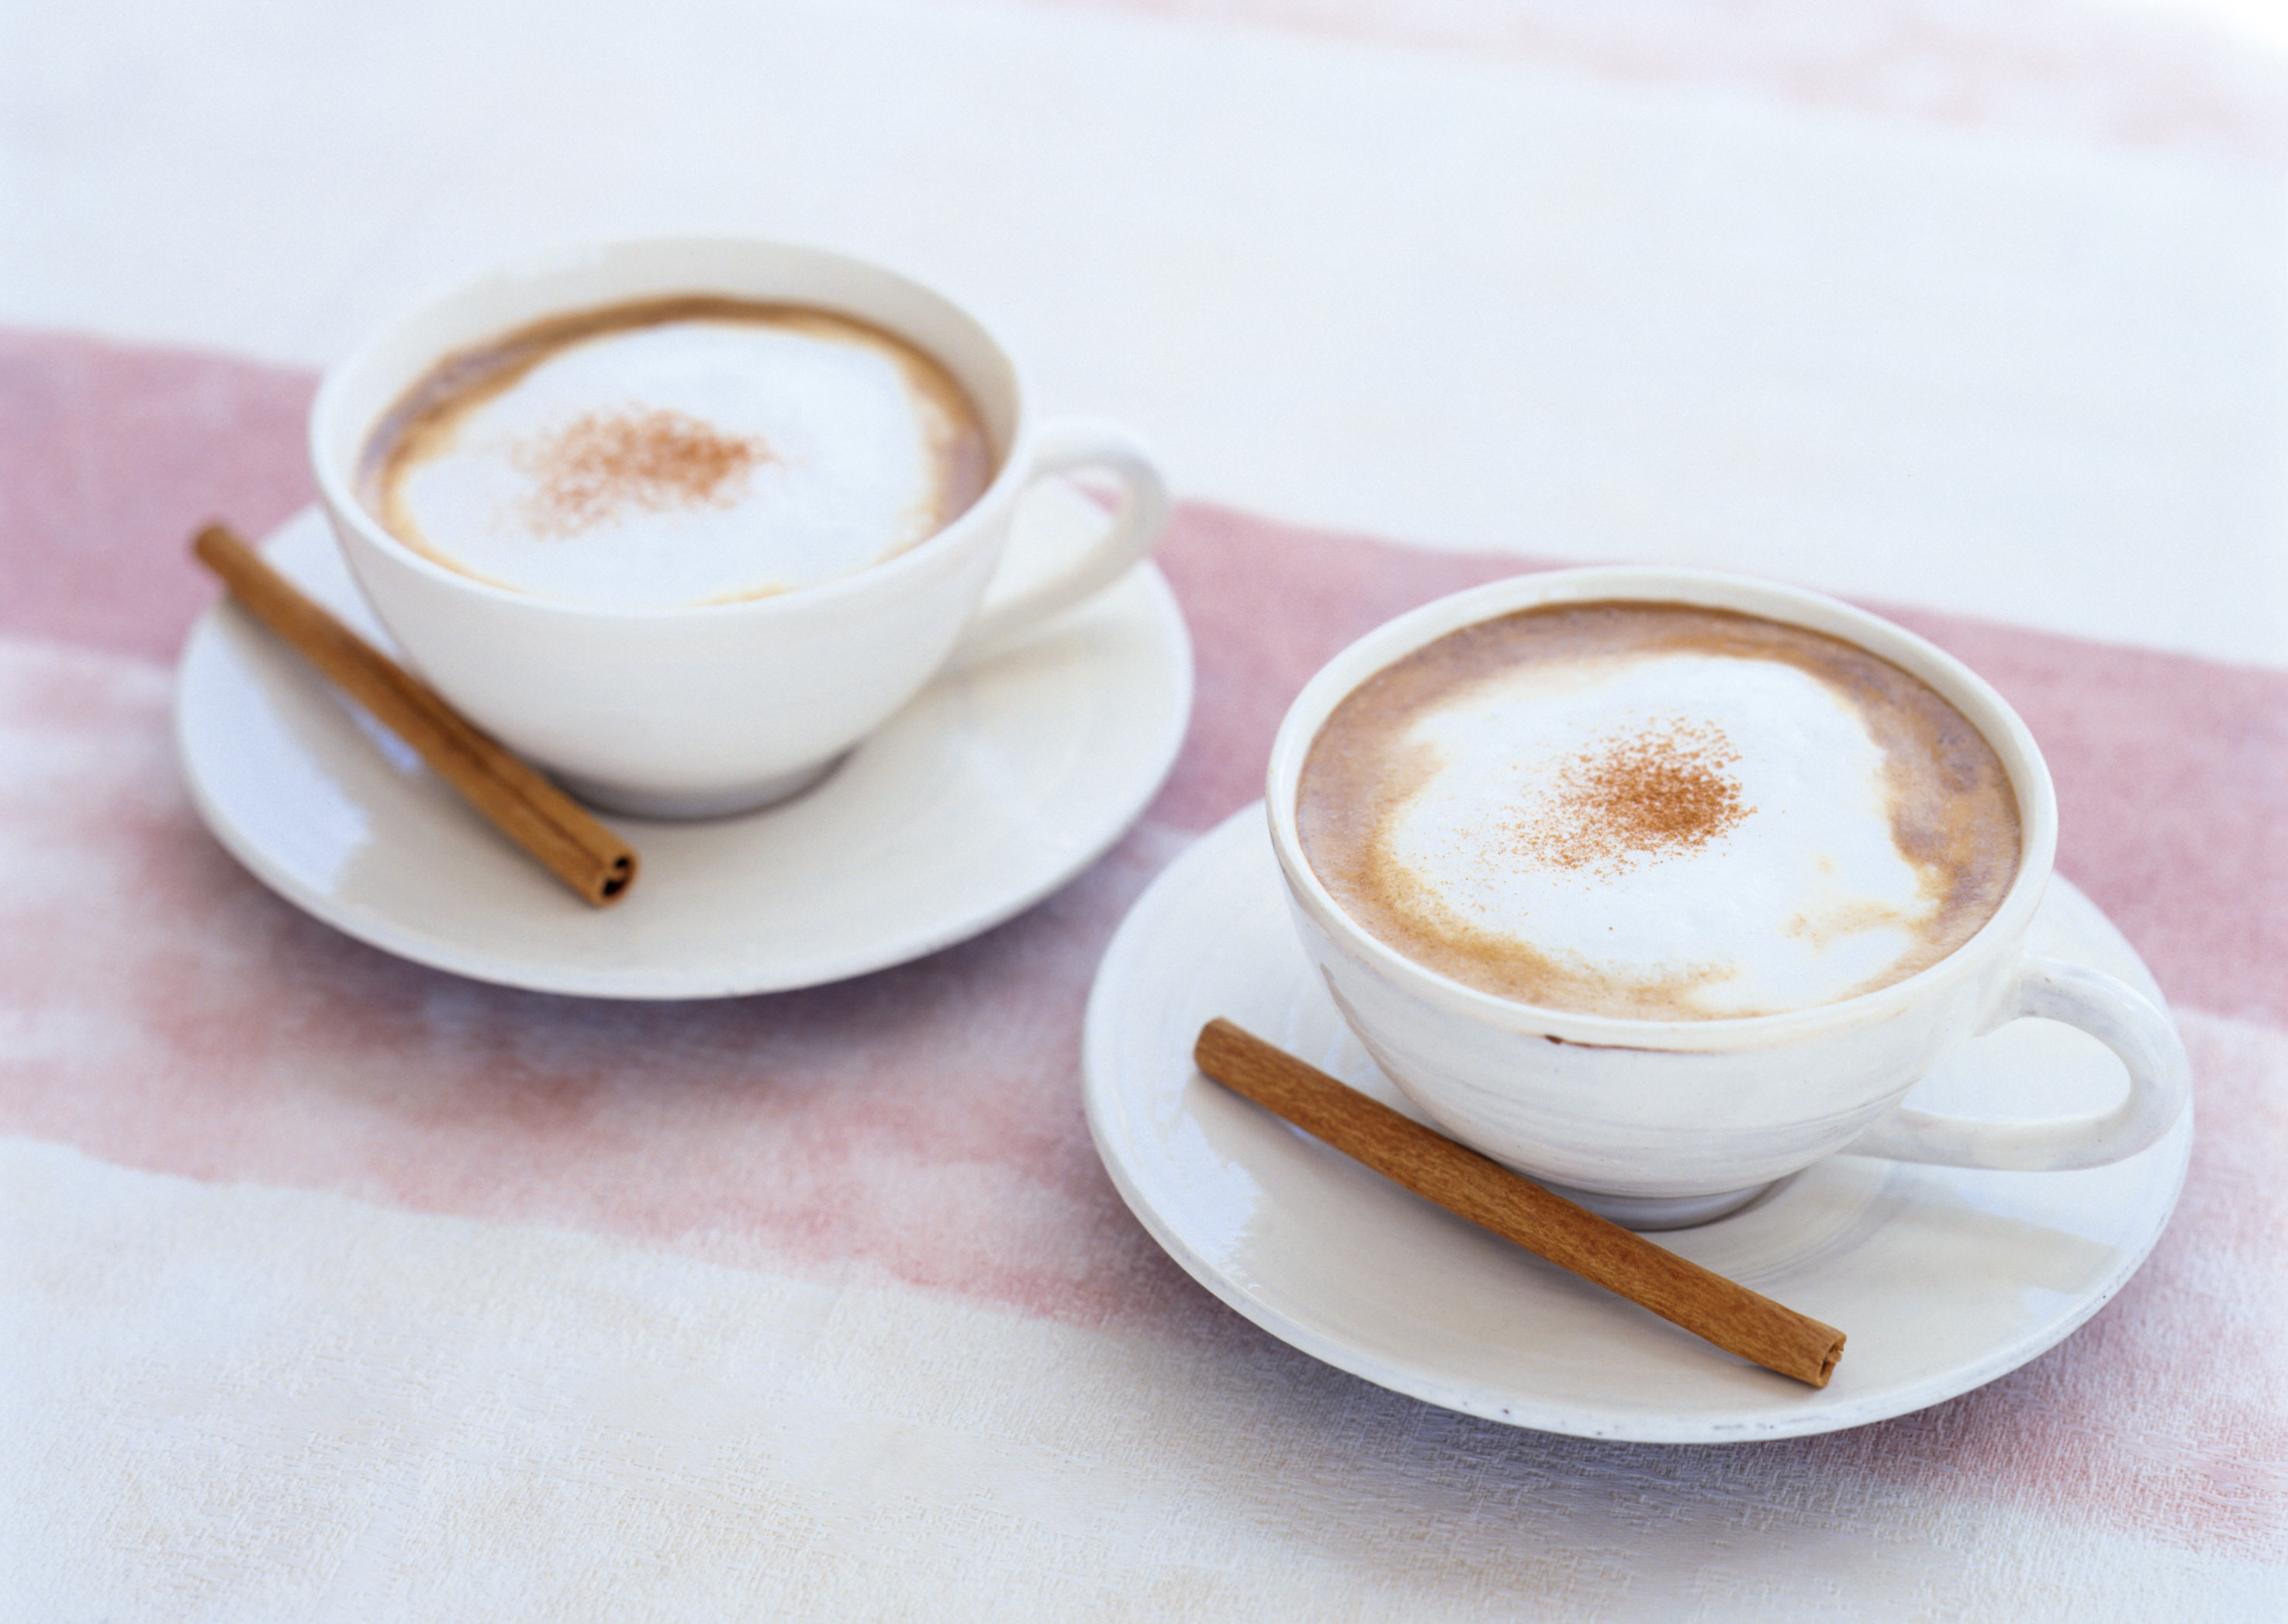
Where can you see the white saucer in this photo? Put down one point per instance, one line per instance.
(1942, 1278)
(998, 784)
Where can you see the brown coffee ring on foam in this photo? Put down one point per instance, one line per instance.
(1953, 810)
(665, 461)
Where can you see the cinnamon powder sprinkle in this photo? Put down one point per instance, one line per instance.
(1659, 792)
(601, 466)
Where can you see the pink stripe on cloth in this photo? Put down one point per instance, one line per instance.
(2139, 77)
(110, 456)
(159, 1009)
(2171, 771)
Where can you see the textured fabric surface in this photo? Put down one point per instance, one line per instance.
(333, 1288)
(2146, 76)
(1971, 304)
(341, 1287)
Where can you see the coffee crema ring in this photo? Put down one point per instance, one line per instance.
(680, 451)
(1658, 811)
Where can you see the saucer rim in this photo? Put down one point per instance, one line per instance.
(378, 929)
(1101, 1073)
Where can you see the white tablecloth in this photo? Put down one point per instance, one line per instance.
(335, 1288)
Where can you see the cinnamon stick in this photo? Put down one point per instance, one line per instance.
(1489, 1195)
(520, 803)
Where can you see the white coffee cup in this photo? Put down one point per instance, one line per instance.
(719, 708)
(1658, 1123)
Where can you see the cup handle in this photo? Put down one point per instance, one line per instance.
(2116, 1015)
(1063, 445)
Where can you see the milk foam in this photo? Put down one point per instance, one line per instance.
(1658, 811)
(1802, 900)
(779, 454)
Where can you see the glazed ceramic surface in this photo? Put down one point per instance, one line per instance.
(1004, 780)
(1703, 1112)
(1943, 1278)
(715, 708)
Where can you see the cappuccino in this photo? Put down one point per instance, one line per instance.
(1659, 811)
(678, 451)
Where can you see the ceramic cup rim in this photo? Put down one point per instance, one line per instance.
(1956, 683)
(335, 445)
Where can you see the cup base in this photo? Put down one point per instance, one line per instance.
(678, 807)
(1659, 1212)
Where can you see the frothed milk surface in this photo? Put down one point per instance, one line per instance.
(1657, 811)
(676, 452)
